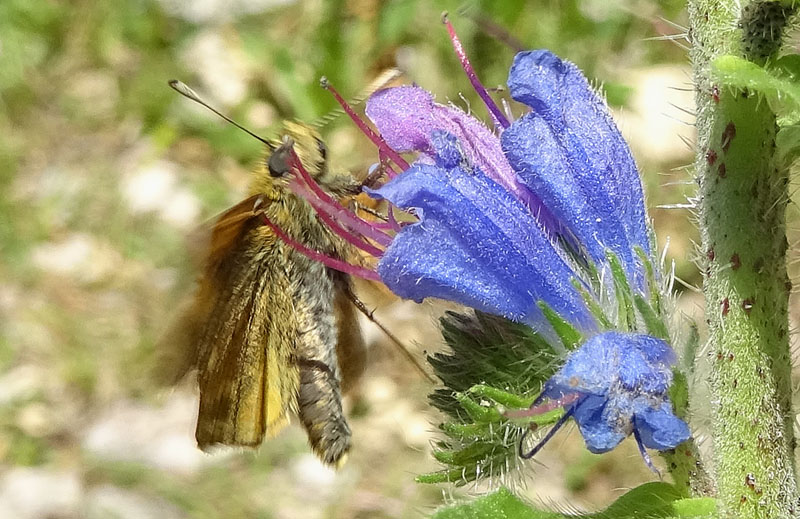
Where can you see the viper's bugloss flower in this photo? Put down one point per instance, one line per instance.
(493, 207)
(614, 385)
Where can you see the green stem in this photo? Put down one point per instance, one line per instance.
(743, 196)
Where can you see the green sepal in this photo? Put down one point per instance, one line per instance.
(460, 431)
(655, 326)
(570, 337)
(679, 393)
(690, 349)
(477, 412)
(504, 398)
(650, 276)
(594, 307)
(541, 420)
(457, 476)
(624, 294)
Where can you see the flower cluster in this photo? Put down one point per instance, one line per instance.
(528, 219)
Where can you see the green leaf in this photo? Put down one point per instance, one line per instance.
(500, 505)
(654, 500)
(779, 88)
(650, 500)
(705, 507)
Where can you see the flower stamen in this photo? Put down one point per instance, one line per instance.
(322, 202)
(498, 118)
(362, 125)
(647, 460)
(328, 261)
(547, 437)
(536, 409)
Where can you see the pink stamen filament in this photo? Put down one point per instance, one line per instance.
(362, 125)
(498, 118)
(392, 220)
(328, 261)
(564, 401)
(386, 165)
(352, 238)
(324, 203)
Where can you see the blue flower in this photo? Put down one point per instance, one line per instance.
(494, 209)
(614, 385)
(502, 219)
(520, 214)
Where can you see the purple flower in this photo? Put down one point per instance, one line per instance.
(614, 385)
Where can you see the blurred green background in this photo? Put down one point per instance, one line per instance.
(105, 171)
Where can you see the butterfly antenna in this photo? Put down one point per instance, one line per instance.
(379, 82)
(185, 91)
(402, 347)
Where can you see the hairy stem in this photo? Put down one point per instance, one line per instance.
(743, 194)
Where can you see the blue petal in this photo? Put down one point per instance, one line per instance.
(659, 428)
(570, 154)
(616, 360)
(409, 120)
(476, 245)
(641, 369)
(600, 433)
(593, 367)
(448, 153)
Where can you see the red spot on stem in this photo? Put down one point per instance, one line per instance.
(735, 262)
(727, 136)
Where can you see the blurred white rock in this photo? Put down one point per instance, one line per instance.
(162, 437)
(154, 188)
(218, 11)
(107, 501)
(37, 493)
(220, 66)
(79, 255)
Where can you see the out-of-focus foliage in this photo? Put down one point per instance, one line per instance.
(105, 172)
